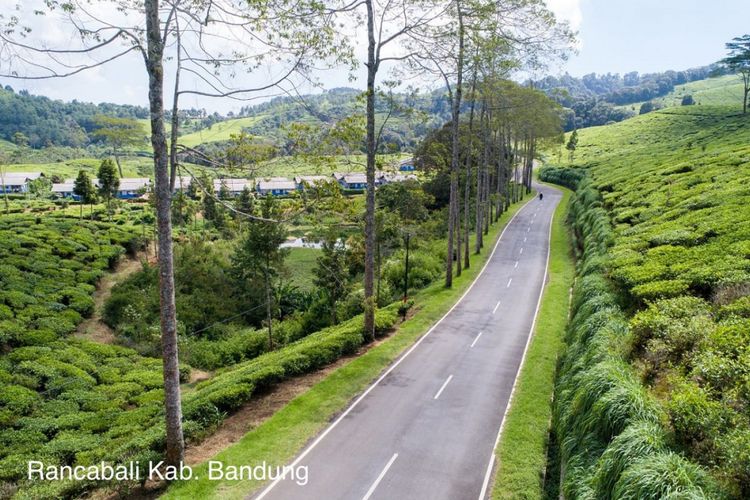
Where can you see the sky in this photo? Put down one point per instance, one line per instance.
(615, 36)
(620, 36)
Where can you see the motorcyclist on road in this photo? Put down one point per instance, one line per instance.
(541, 196)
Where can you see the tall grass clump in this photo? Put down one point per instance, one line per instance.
(611, 429)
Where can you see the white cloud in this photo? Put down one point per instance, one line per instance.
(567, 10)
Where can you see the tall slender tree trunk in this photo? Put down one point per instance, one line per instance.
(467, 185)
(173, 410)
(478, 209)
(372, 70)
(458, 230)
(269, 309)
(175, 122)
(117, 160)
(456, 115)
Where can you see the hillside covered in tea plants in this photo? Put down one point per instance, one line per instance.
(653, 392)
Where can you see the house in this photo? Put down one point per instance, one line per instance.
(17, 182)
(64, 189)
(307, 181)
(406, 165)
(277, 186)
(234, 186)
(132, 187)
(402, 177)
(182, 183)
(351, 181)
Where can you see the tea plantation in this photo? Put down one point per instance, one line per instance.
(653, 394)
(66, 401)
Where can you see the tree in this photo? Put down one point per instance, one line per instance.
(386, 23)
(738, 61)
(646, 107)
(118, 133)
(407, 199)
(108, 181)
(259, 258)
(84, 189)
(688, 100)
(330, 272)
(3, 169)
(572, 143)
(20, 139)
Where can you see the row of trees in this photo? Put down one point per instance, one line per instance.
(108, 184)
(443, 39)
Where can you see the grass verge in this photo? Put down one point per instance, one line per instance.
(280, 438)
(522, 451)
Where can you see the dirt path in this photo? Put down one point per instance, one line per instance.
(94, 328)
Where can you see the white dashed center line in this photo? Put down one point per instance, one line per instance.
(380, 477)
(496, 306)
(509, 282)
(443, 387)
(475, 340)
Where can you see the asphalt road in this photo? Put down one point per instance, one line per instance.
(428, 427)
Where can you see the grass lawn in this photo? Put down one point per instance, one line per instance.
(521, 453)
(283, 436)
(300, 263)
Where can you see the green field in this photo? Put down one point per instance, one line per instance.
(653, 391)
(131, 167)
(300, 262)
(221, 131)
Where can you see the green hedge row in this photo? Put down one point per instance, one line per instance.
(613, 441)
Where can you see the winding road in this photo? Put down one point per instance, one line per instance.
(427, 428)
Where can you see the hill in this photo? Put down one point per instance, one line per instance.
(653, 391)
(594, 100)
(48, 122)
(719, 91)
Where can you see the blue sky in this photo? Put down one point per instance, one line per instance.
(651, 35)
(616, 36)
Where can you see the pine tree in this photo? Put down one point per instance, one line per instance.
(572, 143)
(330, 272)
(108, 181)
(83, 188)
(259, 259)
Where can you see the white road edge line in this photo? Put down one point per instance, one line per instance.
(496, 306)
(490, 466)
(398, 361)
(509, 282)
(475, 340)
(445, 384)
(380, 477)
